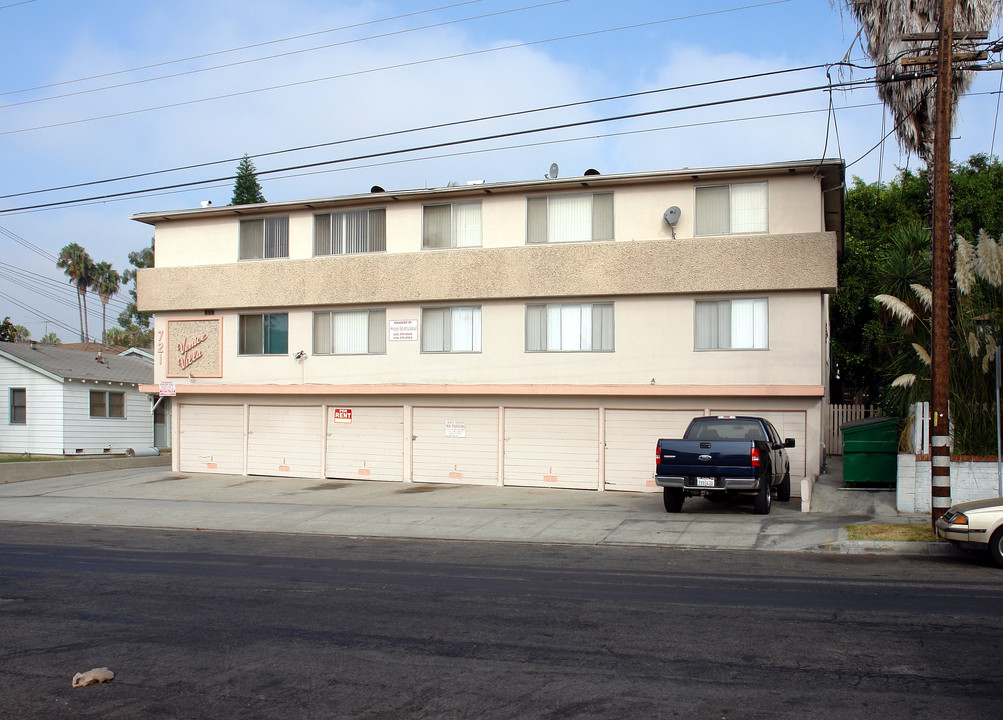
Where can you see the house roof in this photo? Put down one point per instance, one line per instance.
(94, 347)
(62, 364)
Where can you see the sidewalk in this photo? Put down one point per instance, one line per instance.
(159, 498)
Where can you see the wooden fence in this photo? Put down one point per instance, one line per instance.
(838, 416)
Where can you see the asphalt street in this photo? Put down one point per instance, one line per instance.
(199, 624)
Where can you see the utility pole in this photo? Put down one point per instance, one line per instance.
(940, 457)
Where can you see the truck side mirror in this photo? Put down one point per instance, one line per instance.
(789, 442)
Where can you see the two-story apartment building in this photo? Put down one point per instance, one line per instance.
(541, 333)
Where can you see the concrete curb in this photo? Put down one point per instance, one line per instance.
(888, 547)
(13, 472)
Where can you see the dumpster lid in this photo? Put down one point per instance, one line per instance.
(885, 420)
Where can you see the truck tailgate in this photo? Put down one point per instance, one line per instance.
(710, 458)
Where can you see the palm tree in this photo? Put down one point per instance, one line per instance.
(79, 267)
(50, 338)
(106, 283)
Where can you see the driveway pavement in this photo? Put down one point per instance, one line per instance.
(157, 497)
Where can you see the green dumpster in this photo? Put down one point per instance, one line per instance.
(870, 451)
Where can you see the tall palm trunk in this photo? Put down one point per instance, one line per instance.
(80, 308)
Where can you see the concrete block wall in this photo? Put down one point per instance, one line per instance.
(970, 480)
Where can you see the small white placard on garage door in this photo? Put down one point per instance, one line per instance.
(342, 415)
(402, 330)
(456, 428)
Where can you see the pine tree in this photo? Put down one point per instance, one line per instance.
(246, 189)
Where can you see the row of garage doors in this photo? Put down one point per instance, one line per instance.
(532, 447)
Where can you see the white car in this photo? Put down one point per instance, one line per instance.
(977, 524)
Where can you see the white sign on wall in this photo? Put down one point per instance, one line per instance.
(168, 388)
(456, 428)
(342, 415)
(402, 330)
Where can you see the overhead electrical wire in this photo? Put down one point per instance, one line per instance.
(451, 143)
(396, 66)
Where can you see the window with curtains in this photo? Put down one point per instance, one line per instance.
(266, 334)
(569, 218)
(107, 404)
(451, 225)
(569, 327)
(18, 406)
(351, 231)
(732, 324)
(451, 329)
(356, 332)
(729, 209)
(264, 238)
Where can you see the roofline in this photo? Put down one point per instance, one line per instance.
(824, 167)
(31, 366)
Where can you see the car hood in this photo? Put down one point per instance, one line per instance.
(988, 504)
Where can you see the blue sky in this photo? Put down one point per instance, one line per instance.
(462, 67)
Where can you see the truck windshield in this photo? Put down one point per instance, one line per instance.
(735, 429)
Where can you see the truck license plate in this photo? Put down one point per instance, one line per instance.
(705, 482)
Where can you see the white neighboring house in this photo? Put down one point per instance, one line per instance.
(55, 401)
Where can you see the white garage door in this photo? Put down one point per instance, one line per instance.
(365, 443)
(212, 438)
(284, 440)
(790, 424)
(455, 445)
(552, 448)
(631, 436)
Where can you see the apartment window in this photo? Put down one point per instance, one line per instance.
(264, 334)
(738, 208)
(352, 231)
(264, 238)
(732, 324)
(107, 404)
(451, 225)
(350, 333)
(569, 218)
(569, 327)
(451, 329)
(18, 406)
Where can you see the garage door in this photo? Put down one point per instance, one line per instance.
(455, 445)
(284, 440)
(552, 448)
(631, 436)
(790, 424)
(212, 438)
(365, 443)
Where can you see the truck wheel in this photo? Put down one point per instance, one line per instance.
(996, 547)
(764, 497)
(673, 499)
(784, 488)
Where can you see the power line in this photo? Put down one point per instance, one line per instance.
(395, 66)
(436, 126)
(450, 143)
(353, 41)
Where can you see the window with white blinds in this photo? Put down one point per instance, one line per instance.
(569, 218)
(351, 231)
(451, 329)
(264, 238)
(732, 324)
(728, 209)
(451, 225)
(569, 327)
(357, 332)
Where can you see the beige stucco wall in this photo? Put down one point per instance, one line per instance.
(653, 340)
(753, 263)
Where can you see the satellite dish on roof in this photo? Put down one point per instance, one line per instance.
(554, 170)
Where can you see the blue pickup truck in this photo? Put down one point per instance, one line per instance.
(721, 456)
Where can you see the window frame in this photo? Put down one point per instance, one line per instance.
(545, 327)
(532, 230)
(106, 404)
(265, 343)
(477, 321)
(265, 221)
(718, 301)
(452, 224)
(731, 223)
(12, 406)
(370, 312)
(344, 219)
